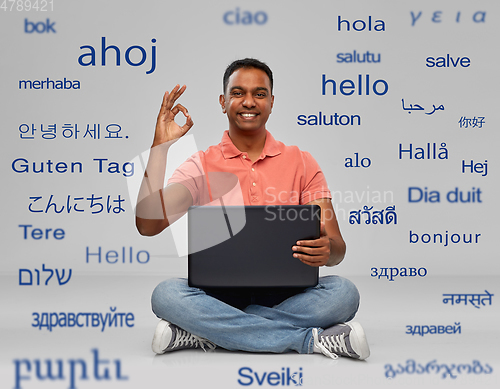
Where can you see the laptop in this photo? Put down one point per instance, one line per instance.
(250, 246)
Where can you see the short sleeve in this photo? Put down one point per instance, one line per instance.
(315, 185)
(191, 174)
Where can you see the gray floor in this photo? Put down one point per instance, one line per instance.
(397, 359)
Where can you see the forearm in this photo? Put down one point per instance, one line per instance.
(157, 207)
(150, 213)
(337, 251)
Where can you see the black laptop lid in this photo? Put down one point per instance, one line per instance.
(252, 246)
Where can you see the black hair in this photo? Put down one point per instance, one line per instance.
(246, 63)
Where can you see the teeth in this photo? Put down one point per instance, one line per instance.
(248, 115)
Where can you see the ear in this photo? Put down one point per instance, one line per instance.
(222, 102)
(272, 102)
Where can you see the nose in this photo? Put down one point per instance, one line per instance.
(249, 101)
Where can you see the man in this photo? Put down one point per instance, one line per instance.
(307, 321)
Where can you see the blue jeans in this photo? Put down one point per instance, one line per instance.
(279, 328)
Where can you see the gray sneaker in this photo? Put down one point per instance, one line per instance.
(347, 340)
(169, 337)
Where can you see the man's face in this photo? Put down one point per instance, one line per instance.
(247, 100)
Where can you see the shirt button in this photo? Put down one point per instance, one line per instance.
(244, 157)
(254, 184)
(253, 169)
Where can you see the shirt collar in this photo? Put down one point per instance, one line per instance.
(229, 150)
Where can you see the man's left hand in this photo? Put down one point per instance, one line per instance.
(314, 252)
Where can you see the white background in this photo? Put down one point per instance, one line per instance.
(300, 42)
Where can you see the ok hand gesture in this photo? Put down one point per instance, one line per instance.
(166, 128)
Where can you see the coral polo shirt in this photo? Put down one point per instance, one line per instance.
(282, 175)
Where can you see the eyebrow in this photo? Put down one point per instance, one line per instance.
(259, 88)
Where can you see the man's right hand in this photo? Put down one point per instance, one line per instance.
(158, 207)
(166, 128)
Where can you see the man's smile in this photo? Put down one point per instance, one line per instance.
(248, 115)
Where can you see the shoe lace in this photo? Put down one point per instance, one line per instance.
(331, 344)
(184, 338)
